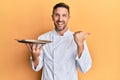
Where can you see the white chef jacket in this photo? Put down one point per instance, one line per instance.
(59, 58)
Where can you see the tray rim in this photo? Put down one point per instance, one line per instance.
(33, 41)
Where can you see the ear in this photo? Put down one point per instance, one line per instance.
(52, 16)
(69, 17)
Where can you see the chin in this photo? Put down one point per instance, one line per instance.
(60, 28)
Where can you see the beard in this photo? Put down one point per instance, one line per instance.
(60, 27)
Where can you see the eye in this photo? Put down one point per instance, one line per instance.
(64, 15)
(56, 15)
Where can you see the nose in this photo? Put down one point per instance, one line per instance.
(60, 18)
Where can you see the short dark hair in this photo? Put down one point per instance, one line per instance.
(61, 4)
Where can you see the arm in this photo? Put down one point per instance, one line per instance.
(84, 62)
(83, 56)
(36, 56)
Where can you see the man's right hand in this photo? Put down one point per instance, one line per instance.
(35, 50)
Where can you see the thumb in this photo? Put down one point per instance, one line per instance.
(86, 35)
(40, 47)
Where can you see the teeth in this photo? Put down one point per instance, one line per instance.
(60, 23)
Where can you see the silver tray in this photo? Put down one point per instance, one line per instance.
(33, 41)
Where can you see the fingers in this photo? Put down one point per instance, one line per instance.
(34, 47)
(81, 34)
(78, 32)
(40, 47)
(29, 46)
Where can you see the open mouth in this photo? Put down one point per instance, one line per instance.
(60, 23)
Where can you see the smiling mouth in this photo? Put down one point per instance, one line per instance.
(60, 23)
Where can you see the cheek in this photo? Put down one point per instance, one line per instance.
(55, 19)
(66, 20)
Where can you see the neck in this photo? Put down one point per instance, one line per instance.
(61, 33)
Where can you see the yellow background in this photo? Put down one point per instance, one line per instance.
(27, 19)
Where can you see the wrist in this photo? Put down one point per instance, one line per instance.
(80, 49)
(80, 44)
(34, 58)
(35, 61)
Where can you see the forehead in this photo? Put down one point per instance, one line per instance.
(61, 10)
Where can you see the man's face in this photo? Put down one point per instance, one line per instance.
(60, 18)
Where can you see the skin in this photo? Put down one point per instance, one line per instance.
(60, 19)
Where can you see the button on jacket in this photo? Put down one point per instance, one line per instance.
(59, 58)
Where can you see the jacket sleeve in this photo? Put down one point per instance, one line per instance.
(40, 64)
(85, 61)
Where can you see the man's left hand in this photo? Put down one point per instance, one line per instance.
(79, 38)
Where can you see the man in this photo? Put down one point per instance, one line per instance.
(67, 51)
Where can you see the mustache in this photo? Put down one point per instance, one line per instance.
(60, 21)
